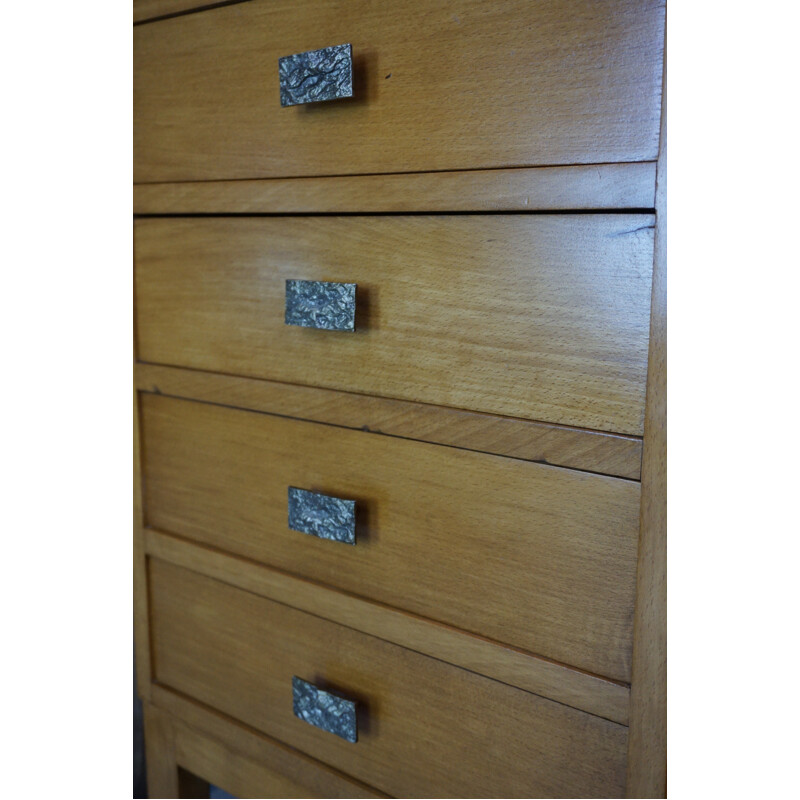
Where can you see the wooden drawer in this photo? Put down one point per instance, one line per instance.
(542, 317)
(425, 728)
(534, 556)
(442, 85)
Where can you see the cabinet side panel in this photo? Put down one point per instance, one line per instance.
(647, 755)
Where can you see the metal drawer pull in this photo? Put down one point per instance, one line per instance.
(316, 75)
(324, 710)
(322, 515)
(323, 305)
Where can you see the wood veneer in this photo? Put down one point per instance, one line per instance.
(450, 85)
(576, 128)
(541, 317)
(647, 754)
(465, 734)
(577, 448)
(534, 556)
(559, 682)
(591, 187)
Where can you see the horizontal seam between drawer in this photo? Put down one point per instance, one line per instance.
(513, 212)
(187, 11)
(541, 462)
(559, 425)
(514, 167)
(392, 609)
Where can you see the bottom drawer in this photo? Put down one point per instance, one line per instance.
(424, 728)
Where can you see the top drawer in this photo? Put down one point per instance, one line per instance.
(437, 86)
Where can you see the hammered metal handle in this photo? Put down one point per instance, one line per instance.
(316, 75)
(321, 304)
(324, 710)
(322, 515)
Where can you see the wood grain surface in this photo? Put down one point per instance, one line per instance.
(540, 317)
(228, 769)
(159, 740)
(140, 611)
(153, 9)
(590, 187)
(495, 610)
(573, 687)
(647, 757)
(533, 556)
(446, 85)
(577, 448)
(232, 740)
(165, 778)
(465, 735)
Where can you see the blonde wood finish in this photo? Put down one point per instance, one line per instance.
(555, 681)
(164, 777)
(533, 556)
(541, 317)
(591, 451)
(140, 612)
(144, 10)
(582, 88)
(450, 85)
(159, 740)
(239, 741)
(589, 187)
(182, 761)
(426, 728)
(227, 769)
(647, 755)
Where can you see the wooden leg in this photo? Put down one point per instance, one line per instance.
(159, 745)
(165, 779)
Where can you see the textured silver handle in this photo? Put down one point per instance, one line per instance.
(320, 304)
(324, 710)
(322, 515)
(316, 75)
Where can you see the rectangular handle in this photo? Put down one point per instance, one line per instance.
(316, 75)
(324, 710)
(322, 515)
(321, 304)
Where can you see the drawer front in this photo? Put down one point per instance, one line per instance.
(534, 556)
(540, 317)
(436, 86)
(425, 728)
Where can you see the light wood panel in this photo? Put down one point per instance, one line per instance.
(590, 187)
(153, 9)
(449, 85)
(541, 317)
(533, 556)
(237, 741)
(236, 775)
(465, 735)
(162, 769)
(230, 771)
(647, 757)
(164, 777)
(557, 682)
(140, 611)
(591, 451)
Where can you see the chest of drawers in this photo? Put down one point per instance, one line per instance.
(400, 401)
